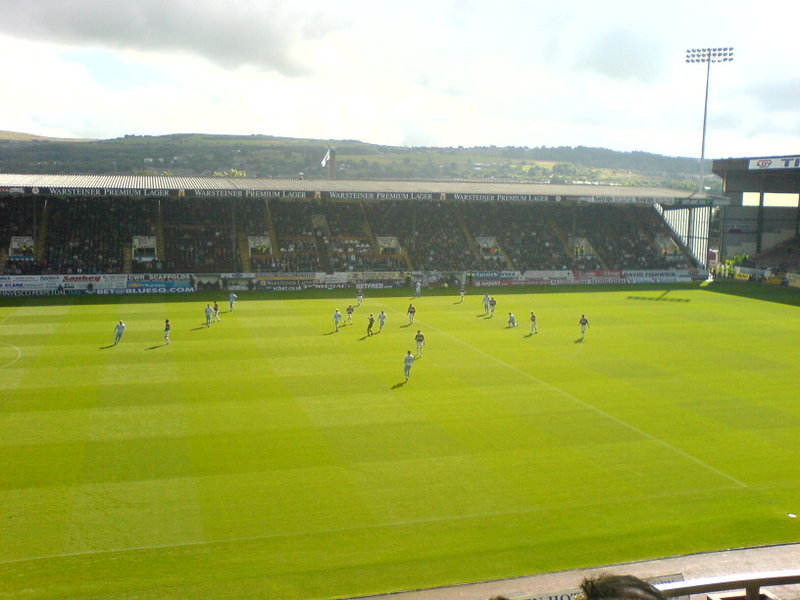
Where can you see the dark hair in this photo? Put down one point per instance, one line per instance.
(612, 587)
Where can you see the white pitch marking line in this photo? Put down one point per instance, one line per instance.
(19, 352)
(13, 360)
(590, 407)
(323, 531)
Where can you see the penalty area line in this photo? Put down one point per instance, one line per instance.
(591, 407)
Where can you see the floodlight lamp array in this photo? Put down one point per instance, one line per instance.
(709, 55)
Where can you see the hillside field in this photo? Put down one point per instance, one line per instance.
(268, 456)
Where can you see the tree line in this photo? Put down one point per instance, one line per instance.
(273, 157)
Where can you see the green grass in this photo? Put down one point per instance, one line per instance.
(266, 456)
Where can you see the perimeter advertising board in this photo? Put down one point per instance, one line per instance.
(159, 283)
(496, 278)
(29, 285)
(43, 285)
(567, 277)
(36, 285)
(87, 284)
(339, 280)
(660, 276)
(175, 283)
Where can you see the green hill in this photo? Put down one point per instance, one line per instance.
(267, 156)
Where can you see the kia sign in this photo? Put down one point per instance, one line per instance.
(781, 162)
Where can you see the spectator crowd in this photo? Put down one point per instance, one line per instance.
(197, 235)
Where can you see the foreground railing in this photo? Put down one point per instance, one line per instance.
(750, 582)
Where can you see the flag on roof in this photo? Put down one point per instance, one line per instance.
(326, 158)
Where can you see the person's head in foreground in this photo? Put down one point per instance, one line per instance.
(612, 587)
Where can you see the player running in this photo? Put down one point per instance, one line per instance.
(232, 300)
(349, 310)
(216, 312)
(512, 320)
(486, 301)
(411, 313)
(370, 323)
(584, 323)
(408, 362)
(167, 331)
(462, 291)
(420, 339)
(119, 329)
(208, 310)
(337, 317)
(381, 320)
(533, 324)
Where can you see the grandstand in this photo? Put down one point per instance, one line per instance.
(83, 224)
(116, 224)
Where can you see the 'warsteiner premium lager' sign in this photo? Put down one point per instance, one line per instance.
(101, 191)
(242, 193)
(379, 195)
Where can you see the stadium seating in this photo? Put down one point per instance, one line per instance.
(783, 258)
(93, 235)
(19, 219)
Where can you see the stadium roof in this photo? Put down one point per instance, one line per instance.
(771, 174)
(161, 185)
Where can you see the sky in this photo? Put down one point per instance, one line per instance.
(609, 74)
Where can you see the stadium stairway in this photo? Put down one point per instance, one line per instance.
(244, 251)
(41, 236)
(273, 234)
(160, 239)
(373, 241)
(506, 259)
(473, 245)
(407, 258)
(600, 259)
(127, 259)
(322, 250)
(562, 235)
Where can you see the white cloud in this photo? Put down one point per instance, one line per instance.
(435, 72)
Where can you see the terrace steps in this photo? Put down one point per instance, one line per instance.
(244, 251)
(127, 259)
(41, 235)
(273, 233)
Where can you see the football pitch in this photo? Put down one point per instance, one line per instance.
(269, 456)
